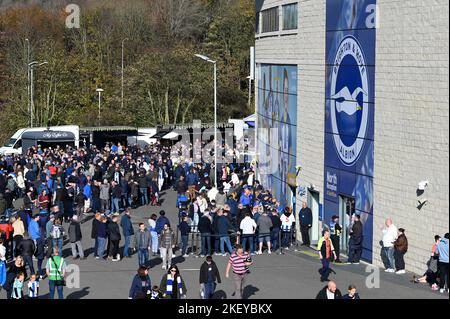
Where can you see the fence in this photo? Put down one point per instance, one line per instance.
(194, 240)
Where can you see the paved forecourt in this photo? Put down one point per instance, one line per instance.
(293, 275)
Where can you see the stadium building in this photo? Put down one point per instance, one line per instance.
(356, 93)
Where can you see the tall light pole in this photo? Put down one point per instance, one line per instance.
(122, 71)
(99, 91)
(205, 58)
(31, 67)
(249, 90)
(28, 78)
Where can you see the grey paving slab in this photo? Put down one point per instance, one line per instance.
(293, 275)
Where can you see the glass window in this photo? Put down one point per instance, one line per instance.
(11, 142)
(290, 16)
(18, 144)
(257, 23)
(270, 20)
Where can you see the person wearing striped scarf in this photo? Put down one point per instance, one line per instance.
(172, 285)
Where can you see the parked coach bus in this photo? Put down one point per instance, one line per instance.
(25, 138)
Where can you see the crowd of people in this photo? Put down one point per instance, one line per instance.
(62, 188)
(59, 187)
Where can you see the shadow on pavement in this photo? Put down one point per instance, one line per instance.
(88, 252)
(67, 252)
(154, 262)
(249, 291)
(178, 259)
(87, 218)
(79, 294)
(220, 294)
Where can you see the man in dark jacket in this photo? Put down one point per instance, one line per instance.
(330, 292)
(26, 248)
(143, 189)
(113, 232)
(94, 234)
(355, 242)
(68, 202)
(205, 229)
(178, 172)
(275, 230)
(181, 186)
(3, 204)
(335, 231)
(223, 226)
(128, 231)
(209, 274)
(192, 180)
(95, 196)
(142, 244)
(305, 223)
(134, 191)
(116, 193)
(61, 194)
(185, 229)
(75, 237)
(28, 202)
(162, 220)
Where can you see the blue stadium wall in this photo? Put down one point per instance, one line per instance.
(349, 111)
(277, 127)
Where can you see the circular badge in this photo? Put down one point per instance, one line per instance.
(349, 95)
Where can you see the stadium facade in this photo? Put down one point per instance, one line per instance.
(356, 93)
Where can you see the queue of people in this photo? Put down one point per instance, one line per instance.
(239, 218)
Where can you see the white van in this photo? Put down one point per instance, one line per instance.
(45, 136)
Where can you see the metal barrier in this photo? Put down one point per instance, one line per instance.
(194, 240)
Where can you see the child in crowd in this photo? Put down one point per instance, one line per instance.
(17, 292)
(33, 287)
(156, 293)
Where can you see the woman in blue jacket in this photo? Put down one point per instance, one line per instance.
(2, 273)
(141, 285)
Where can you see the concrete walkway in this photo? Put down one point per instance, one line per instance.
(293, 275)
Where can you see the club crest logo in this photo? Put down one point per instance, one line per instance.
(349, 97)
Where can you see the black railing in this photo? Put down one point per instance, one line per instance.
(194, 239)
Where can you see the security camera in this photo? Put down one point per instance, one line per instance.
(298, 167)
(423, 185)
(423, 202)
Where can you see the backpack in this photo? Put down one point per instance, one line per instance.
(56, 232)
(160, 225)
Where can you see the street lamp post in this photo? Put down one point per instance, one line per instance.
(249, 90)
(122, 71)
(28, 79)
(31, 67)
(99, 91)
(205, 58)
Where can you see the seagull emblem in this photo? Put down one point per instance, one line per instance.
(346, 102)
